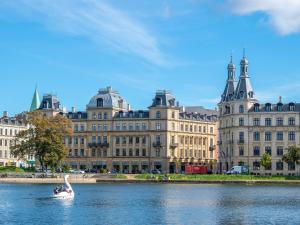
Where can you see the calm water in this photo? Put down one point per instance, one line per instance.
(151, 204)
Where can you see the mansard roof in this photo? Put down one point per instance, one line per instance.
(163, 98)
(269, 107)
(198, 113)
(132, 114)
(50, 101)
(77, 115)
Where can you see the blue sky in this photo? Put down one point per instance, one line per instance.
(74, 47)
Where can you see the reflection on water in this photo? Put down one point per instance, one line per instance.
(151, 204)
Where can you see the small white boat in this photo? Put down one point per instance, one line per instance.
(65, 191)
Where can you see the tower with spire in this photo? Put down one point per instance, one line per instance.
(236, 100)
(35, 103)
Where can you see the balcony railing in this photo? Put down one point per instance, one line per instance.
(173, 145)
(211, 148)
(157, 144)
(241, 141)
(98, 145)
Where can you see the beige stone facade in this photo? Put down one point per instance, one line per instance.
(9, 128)
(165, 137)
(248, 129)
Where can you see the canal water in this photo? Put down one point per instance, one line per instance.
(151, 204)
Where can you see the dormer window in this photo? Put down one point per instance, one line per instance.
(121, 114)
(268, 107)
(120, 104)
(256, 108)
(130, 114)
(279, 107)
(251, 94)
(158, 101)
(291, 107)
(241, 94)
(100, 102)
(172, 102)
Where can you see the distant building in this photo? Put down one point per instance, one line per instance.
(248, 129)
(110, 135)
(9, 128)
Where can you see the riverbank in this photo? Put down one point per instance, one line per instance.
(158, 178)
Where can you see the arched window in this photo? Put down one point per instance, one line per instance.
(158, 115)
(256, 107)
(100, 102)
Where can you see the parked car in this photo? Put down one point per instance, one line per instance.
(77, 171)
(90, 171)
(238, 170)
(156, 171)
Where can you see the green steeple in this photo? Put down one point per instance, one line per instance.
(35, 104)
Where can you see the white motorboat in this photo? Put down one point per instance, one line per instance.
(65, 191)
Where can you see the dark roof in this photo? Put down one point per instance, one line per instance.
(289, 107)
(12, 121)
(77, 115)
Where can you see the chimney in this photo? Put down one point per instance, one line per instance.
(73, 109)
(5, 114)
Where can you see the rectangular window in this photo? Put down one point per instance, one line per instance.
(137, 152)
(144, 152)
(256, 136)
(117, 140)
(124, 151)
(291, 136)
(268, 150)
(268, 122)
(256, 122)
(291, 121)
(279, 165)
(279, 121)
(117, 152)
(241, 151)
(123, 140)
(280, 151)
(130, 152)
(158, 126)
(81, 152)
(241, 121)
(130, 140)
(256, 151)
(268, 136)
(279, 136)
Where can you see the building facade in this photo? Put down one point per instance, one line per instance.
(109, 135)
(9, 128)
(248, 129)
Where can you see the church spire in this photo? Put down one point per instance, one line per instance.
(228, 93)
(35, 103)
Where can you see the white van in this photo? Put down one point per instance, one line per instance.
(238, 170)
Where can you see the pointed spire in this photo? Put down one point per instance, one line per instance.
(35, 103)
(244, 53)
(228, 93)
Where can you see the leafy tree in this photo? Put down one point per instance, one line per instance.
(43, 139)
(292, 155)
(266, 160)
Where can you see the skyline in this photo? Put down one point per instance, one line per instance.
(75, 49)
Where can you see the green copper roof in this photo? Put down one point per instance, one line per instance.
(35, 104)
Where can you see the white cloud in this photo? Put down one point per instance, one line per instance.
(95, 20)
(287, 90)
(283, 15)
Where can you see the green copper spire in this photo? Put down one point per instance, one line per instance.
(35, 104)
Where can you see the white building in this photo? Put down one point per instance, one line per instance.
(248, 129)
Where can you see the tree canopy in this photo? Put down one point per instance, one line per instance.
(266, 160)
(43, 139)
(292, 155)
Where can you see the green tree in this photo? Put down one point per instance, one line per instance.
(292, 155)
(43, 139)
(266, 160)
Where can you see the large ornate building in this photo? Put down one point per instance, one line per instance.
(109, 135)
(248, 129)
(9, 128)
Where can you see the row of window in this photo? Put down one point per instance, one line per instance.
(195, 140)
(268, 121)
(8, 132)
(257, 152)
(133, 152)
(279, 136)
(192, 153)
(130, 140)
(279, 166)
(5, 142)
(195, 128)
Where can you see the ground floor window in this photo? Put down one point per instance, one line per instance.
(279, 165)
(256, 165)
(291, 166)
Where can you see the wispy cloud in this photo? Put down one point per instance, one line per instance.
(95, 20)
(287, 90)
(283, 15)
